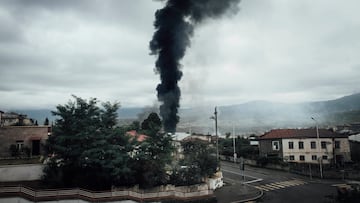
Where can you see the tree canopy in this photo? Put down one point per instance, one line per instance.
(199, 162)
(88, 149)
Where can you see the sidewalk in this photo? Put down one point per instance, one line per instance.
(237, 193)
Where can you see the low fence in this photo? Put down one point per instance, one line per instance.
(159, 193)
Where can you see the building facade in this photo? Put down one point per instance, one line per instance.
(26, 140)
(304, 146)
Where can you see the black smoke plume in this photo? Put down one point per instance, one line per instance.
(174, 26)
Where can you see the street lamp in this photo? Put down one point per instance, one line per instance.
(319, 147)
(216, 134)
(234, 144)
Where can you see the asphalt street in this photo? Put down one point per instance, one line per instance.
(280, 186)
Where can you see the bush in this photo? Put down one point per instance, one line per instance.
(13, 150)
(263, 161)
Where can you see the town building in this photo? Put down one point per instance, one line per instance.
(355, 147)
(304, 146)
(12, 119)
(28, 140)
(20, 137)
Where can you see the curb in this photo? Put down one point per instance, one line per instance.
(252, 198)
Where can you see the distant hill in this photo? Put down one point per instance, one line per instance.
(248, 117)
(41, 114)
(263, 115)
(347, 103)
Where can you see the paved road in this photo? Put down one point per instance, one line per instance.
(279, 186)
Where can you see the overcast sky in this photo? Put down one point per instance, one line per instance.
(276, 50)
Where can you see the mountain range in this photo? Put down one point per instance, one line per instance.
(249, 117)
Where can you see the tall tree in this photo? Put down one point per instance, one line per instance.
(199, 162)
(154, 154)
(46, 122)
(152, 124)
(88, 149)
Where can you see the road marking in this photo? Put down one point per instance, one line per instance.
(280, 185)
(286, 183)
(340, 185)
(254, 181)
(261, 188)
(270, 187)
(237, 173)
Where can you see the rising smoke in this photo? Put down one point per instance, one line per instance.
(174, 26)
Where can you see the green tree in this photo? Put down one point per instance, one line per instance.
(46, 122)
(152, 124)
(199, 162)
(88, 149)
(135, 125)
(154, 154)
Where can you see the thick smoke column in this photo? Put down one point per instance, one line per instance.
(174, 26)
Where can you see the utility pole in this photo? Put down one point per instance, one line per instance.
(319, 145)
(216, 134)
(234, 144)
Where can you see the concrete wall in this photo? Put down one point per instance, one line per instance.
(355, 151)
(266, 148)
(10, 134)
(26, 172)
(345, 149)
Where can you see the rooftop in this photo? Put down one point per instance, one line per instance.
(139, 137)
(300, 133)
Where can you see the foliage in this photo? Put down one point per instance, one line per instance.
(135, 125)
(13, 150)
(243, 147)
(88, 149)
(263, 161)
(199, 162)
(16, 152)
(151, 160)
(46, 122)
(151, 125)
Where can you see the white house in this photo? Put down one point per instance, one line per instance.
(304, 146)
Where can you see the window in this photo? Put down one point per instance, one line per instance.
(313, 145)
(302, 158)
(291, 145)
(337, 144)
(276, 145)
(323, 145)
(314, 157)
(301, 145)
(292, 157)
(19, 144)
(324, 157)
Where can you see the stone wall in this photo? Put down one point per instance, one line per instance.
(15, 134)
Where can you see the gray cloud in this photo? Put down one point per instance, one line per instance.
(290, 51)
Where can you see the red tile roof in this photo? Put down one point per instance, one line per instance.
(300, 133)
(139, 137)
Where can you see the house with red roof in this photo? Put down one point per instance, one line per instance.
(305, 146)
(134, 134)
